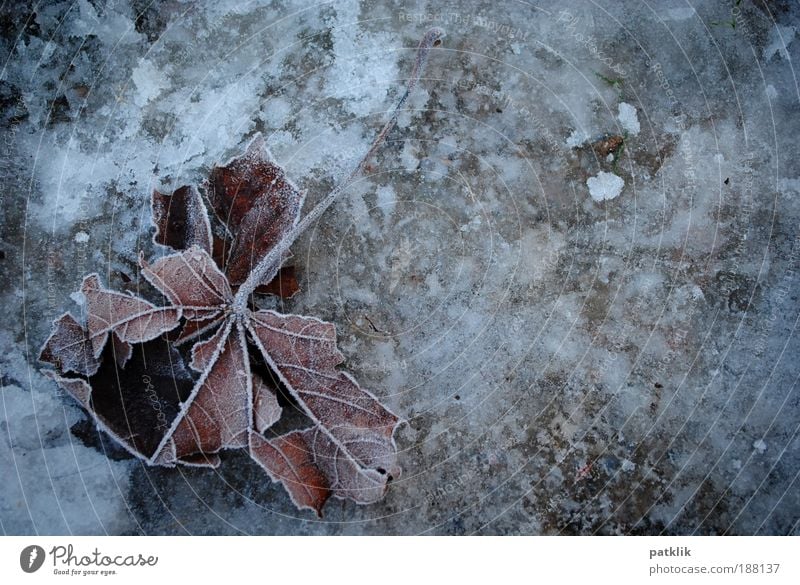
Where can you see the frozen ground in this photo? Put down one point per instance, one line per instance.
(583, 339)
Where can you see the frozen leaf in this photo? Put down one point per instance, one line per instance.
(287, 459)
(76, 387)
(181, 220)
(284, 284)
(134, 320)
(192, 281)
(362, 478)
(134, 405)
(69, 348)
(303, 352)
(122, 350)
(139, 390)
(266, 410)
(253, 198)
(191, 330)
(217, 414)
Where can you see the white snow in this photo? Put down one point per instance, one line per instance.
(54, 483)
(605, 186)
(149, 82)
(627, 118)
(577, 138)
(409, 157)
(760, 445)
(359, 69)
(81, 237)
(386, 200)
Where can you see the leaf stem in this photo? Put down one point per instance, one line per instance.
(269, 265)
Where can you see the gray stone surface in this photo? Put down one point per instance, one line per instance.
(570, 358)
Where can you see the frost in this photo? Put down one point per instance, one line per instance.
(605, 186)
(409, 157)
(348, 451)
(780, 38)
(577, 138)
(760, 446)
(628, 119)
(149, 82)
(386, 200)
(356, 72)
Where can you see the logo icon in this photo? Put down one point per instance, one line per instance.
(31, 558)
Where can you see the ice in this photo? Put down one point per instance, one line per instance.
(780, 37)
(558, 320)
(605, 186)
(628, 119)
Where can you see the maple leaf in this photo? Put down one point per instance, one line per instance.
(169, 404)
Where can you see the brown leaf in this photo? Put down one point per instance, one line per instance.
(138, 389)
(288, 459)
(218, 413)
(134, 405)
(192, 281)
(133, 319)
(356, 470)
(284, 284)
(302, 351)
(122, 350)
(181, 219)
(253, 198)
(266, 410)
(194, 329)
(75, 387)
(312, 467)
(69, 348)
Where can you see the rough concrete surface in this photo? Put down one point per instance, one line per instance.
(573, 269)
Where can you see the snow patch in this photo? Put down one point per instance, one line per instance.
(149, 82)
(628, 119)
(605, 186)
(577, 138)
(360, 66)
